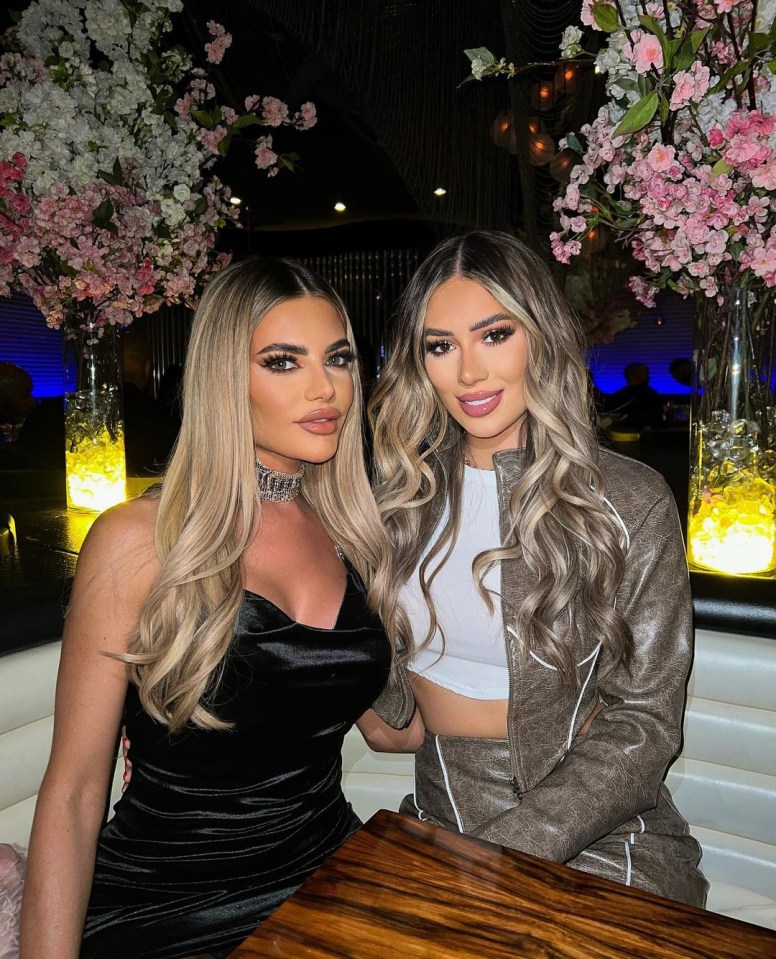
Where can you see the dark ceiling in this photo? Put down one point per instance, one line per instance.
(393, 120)
(393, 123)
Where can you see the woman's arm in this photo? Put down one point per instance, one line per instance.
(114, 573)
(385, 739)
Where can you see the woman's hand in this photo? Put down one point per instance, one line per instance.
(125, 744)
(385, 739)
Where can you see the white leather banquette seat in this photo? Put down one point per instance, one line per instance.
(724, 782)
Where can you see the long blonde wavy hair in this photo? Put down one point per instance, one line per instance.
(559, 520)
(209, 505)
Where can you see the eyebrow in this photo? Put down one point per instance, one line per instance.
(474, 328)
(297, 350)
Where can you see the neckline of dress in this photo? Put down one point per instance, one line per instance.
(296, 622)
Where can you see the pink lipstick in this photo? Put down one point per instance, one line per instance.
(480, 404)
(323, 422)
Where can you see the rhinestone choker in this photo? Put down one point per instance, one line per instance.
(277, 487)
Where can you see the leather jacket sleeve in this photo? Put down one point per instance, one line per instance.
(614, 772)
(396, 703)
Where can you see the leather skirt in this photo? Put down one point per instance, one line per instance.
(462, 782)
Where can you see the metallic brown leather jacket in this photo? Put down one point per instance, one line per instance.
(574, 791)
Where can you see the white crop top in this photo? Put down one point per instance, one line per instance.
(474, 662)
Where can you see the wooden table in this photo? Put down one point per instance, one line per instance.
(400, 888)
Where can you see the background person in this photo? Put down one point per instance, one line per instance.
(637, 405)
(16, 400)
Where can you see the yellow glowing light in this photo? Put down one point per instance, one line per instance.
(735, 531)
(95, 469)
(340, 207)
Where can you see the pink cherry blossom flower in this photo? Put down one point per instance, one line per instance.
(265, 157)
(220, 43)
(564, 251)
(660, 157)
(183, 106)
(275, 112)
(683, 91)
(211, 138)
(764, 177)
(647, 53)
(643, 292)
(308, 116)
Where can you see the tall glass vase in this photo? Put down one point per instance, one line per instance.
(95, 463)
(732, 520)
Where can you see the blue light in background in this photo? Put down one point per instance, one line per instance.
(661, 334)
(26, 341)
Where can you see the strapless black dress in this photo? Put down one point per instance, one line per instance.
(216, 829)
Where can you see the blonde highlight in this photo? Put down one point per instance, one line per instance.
(208, 504)
(558, 520)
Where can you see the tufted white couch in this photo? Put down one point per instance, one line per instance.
(724, 782)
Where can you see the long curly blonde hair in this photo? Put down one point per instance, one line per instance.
(209, 504)
(559, 520)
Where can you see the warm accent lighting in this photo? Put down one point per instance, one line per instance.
(440, 191)
(542, 95)
(340, 207)
(734, 531)
(95, 464)
(541, 149)
(235, 200)
(95, 469)
(502, 131)
(566, 77)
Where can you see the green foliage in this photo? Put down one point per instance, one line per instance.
(605, 16)
(639, 115)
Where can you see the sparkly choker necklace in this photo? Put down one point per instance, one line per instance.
(277, 487)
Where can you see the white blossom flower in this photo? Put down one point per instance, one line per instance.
(570, 45)
(79, 135)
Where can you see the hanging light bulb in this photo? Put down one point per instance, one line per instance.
(502, 131)
(541, 149)
(567, 77)
(543, 95)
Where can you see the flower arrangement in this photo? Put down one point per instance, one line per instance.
(107, 209)
(680, 163)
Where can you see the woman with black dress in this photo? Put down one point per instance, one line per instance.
(230, 619)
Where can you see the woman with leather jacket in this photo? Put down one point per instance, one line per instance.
(542, 608)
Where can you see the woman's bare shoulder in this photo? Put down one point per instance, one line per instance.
(121, 543)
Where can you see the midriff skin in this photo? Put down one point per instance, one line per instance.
(446, 713)
(450, 714)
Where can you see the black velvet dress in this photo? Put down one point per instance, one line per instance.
(216, 829)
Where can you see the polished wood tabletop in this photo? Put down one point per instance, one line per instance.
(401, 888)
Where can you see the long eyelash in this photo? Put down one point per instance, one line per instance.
(271, 358)
(431, 345)
(501, 330)
(347, 355)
